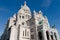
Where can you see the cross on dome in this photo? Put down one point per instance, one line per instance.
(24, 8)
(25, 3)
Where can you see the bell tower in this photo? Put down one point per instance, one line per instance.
(24, 14)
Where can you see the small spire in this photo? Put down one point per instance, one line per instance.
(46, 18)
(34, 11)
(25, 3)
(40, 11)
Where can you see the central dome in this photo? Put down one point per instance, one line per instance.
(24, 8)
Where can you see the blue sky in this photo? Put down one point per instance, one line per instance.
(50, 8)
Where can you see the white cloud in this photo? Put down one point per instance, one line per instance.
(3, 9)
(46, 3)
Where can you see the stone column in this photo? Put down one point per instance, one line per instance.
(36, 33)
(18, 36)
(53, 36)
(57, 35)
(44, 35)
(49, 35)
(13, 35)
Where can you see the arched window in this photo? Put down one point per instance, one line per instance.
(32, 29)
(23, 23)
(32, 36)
(28, 16)
(26, 11)
(14, 22)
(22, 16)
(23, 33)
(40, 35)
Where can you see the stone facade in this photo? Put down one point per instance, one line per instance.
(25, 26)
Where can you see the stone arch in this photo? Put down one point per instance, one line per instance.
(40, 36)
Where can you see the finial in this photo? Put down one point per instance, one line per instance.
(46, 18)
(34, 11)
(40, 11)
(25, 3)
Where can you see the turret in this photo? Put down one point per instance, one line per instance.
(24, 9)
(46, 21)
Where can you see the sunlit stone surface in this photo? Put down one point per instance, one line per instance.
(25, 26)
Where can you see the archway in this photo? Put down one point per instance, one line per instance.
(47, 34)
(40, 35)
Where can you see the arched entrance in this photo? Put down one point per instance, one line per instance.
(47, 34)
(40, 35)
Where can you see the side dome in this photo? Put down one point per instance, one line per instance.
(24, 9)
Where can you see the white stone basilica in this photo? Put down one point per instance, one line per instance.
(25, 26)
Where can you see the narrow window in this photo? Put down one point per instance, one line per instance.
(23, 33)
(40, 35)
(22, 23)
(32, 36)
(32, 29)
(22, 16)
(28, 16)
(14, 22)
